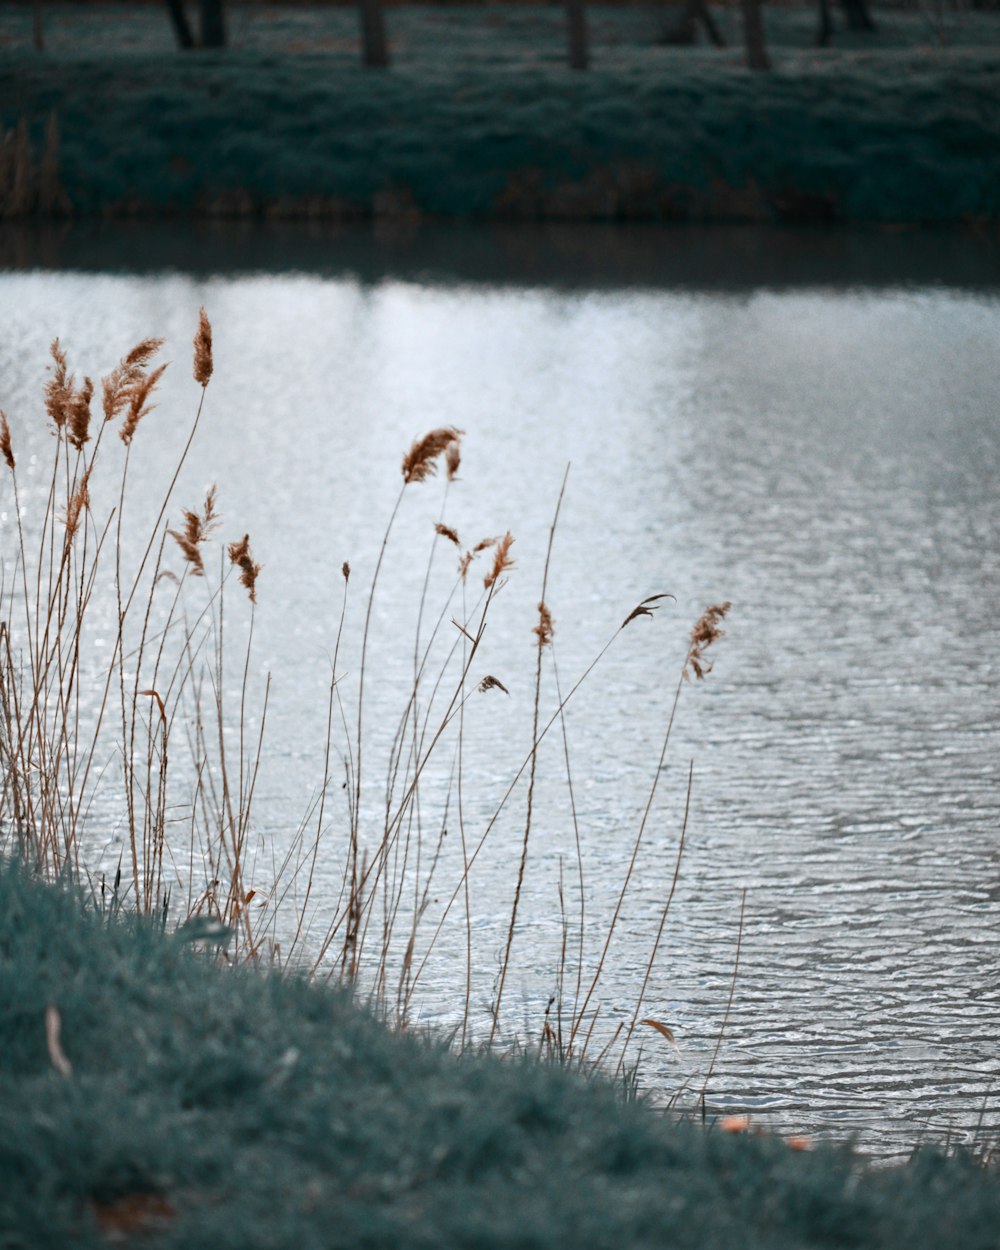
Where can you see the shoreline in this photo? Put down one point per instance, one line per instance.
(147, 1090)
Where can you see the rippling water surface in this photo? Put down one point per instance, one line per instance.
(824, 455)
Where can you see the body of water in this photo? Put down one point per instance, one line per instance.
(746, 418)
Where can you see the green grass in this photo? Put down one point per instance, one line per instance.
(205, 1106)
(480, 118)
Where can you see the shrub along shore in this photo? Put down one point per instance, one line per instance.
(149, 1093)
(479, 117)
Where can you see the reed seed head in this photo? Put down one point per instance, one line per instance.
(203, 350)
(6, 450)
(79, 502)
(545, 629)
(345, 569)
(197, 528)
(447, 532)
(239, 554)
(501, 560)
(139, 405)
(453, 458)
(707, 630)
(78, 415)
(419, 461)
(128, 374)
(59, 388)
(492, 683)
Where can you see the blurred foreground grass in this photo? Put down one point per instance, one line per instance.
(479, 117)
(146, 1092)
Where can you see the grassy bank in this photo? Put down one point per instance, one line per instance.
(479, 117)
(146, 1092)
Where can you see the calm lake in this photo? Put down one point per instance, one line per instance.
(807, 426)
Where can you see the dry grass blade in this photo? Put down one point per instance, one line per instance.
(419, 461)
(646, 608)
(203, 349)
(6, 450)
(664, 1030)
(239, 554)
(706, 631)
(502, 561)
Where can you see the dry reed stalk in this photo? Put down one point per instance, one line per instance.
(729, 1001)
(500, 562)
(704, 633)
(418, 464)
(659, 935)
(557, 715)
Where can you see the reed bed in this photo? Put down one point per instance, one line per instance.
(156, 735)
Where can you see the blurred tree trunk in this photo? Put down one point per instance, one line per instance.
(576, 26)
(684, 29)
(182, 28)
(858, 17)
(213, 24)
(753, 36)
(375, 50)
(825, 31)
(37, 27)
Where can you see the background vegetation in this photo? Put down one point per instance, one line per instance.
(479, 116)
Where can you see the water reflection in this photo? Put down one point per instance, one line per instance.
(824, 454)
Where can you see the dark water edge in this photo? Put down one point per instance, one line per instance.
(561, 256)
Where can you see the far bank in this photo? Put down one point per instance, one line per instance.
(478, 117)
